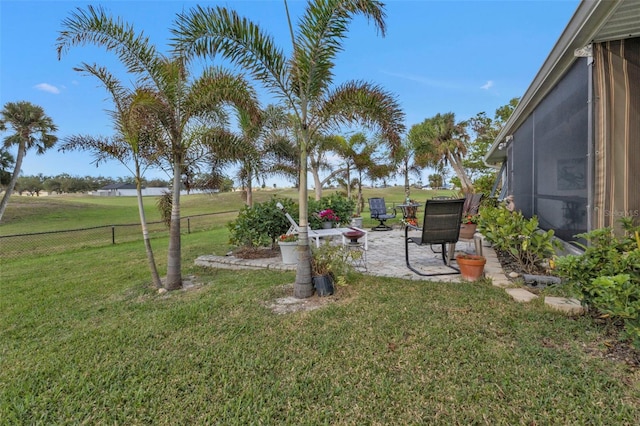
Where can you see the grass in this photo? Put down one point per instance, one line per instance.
(84, 339)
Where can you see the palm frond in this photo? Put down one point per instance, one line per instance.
(366, 104)
(216, 87)
(211, 31)
(94, 26)
(322, 30)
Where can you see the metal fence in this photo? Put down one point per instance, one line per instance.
(44, 243)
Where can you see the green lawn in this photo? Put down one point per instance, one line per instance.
(85, 340)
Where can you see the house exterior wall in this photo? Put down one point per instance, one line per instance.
(549, 155)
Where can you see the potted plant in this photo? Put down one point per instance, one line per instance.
(356, 220)
(328, 218)
(471, 266)
(288, 248)
(468, 226)
(328, 262)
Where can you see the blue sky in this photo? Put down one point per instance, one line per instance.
(438, 56)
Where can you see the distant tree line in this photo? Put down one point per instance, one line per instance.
(67, 184)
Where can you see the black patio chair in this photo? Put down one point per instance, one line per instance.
(379, 211)
(441, 226)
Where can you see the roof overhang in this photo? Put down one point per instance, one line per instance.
(593, 21)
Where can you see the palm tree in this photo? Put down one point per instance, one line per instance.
(358, 154)
(406, 165)
(266, 147)
(439, 141)
(318, 149)
(303, 81)
(136, 132)
(6, 163)
(178, 99)
(33, 128)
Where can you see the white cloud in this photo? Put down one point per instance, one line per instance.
(47, 88)
(487, 85)
(424, 80)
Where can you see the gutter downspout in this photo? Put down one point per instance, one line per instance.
(587, 51)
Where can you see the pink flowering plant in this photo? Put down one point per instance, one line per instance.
(328, 215)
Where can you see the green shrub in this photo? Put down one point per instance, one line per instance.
(520, 238)
(341, 205)
(606, 276)
(262, 224)
(333, 259)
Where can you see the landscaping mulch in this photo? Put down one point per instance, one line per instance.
(256, 252)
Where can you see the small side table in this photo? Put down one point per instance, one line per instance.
(356, 252)
(410, 213)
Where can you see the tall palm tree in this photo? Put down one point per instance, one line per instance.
(33, 128)
(132, 146)
(357, 152)
(406, 165)
(304, 80)
(179, 100)
(318, 149)
(266, 146)
(439, 141)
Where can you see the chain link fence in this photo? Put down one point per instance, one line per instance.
(44, 243)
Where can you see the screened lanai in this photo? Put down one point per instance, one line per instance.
(571, 149)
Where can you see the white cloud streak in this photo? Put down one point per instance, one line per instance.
(488, 85)
(45, 87)
(424, 80)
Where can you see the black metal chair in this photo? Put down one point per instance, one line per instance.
(378, 209)
(441, 226)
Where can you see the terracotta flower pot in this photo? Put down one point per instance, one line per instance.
(471, 266)
(467, 230)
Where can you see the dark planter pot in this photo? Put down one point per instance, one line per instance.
(323, 285)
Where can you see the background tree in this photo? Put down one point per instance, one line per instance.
(304, 80)
(6, 164)
(435, 181)
(484, 131)
(406, 166)
(319, 148)
(265, 147)
(132, 145)
(179, 99)
(360, 158)
(439, 140)
(33, 129)
(30, 184)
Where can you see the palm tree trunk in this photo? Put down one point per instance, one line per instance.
(249, 193)
(407, 189)
(303, 287)
(174, 263)
(145, 233)
(348, 170)
(456, 165)
(317, 183)
(22, 149)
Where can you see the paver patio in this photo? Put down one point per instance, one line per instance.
(385, 257)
